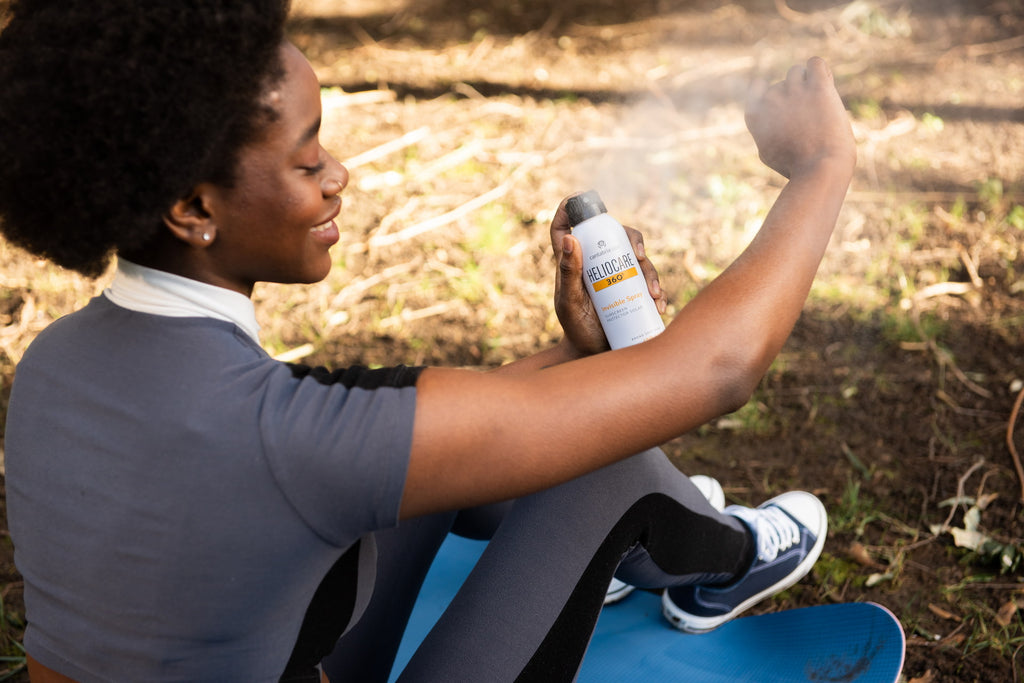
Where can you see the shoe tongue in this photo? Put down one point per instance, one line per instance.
(775, 531)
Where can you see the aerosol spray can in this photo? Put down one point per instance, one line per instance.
(614, 280)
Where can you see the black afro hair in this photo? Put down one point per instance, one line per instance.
(110, 110)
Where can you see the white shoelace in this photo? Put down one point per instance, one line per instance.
(776, 531)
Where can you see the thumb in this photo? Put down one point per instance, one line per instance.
(573, 307)
(560, 224)
(569, 283)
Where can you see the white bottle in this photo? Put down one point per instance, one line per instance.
(614, 280)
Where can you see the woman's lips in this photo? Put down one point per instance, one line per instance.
(326, 233)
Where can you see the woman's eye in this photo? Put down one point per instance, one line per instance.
(313, 170)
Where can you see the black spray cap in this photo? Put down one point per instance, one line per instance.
(584, 206)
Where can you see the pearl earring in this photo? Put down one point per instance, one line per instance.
(206, 237)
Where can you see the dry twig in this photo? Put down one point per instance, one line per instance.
(970, 265)
(1010, 444)
(944, 357)
(466, 208)
(355, 289)
(791, 15)
(389, 147)
(961, 488)
(442, 220)
(980, 49)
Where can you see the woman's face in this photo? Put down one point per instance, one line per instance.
(276, 223)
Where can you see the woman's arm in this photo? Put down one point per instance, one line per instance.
(37, 673)
(481, 437)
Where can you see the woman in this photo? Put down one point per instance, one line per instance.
(185, 508)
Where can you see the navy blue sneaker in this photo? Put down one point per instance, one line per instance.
(789, 531)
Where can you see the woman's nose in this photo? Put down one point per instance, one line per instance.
(334, 180)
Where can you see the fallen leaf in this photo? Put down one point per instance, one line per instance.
(955, 640)
(1007, 612)
(876, 579)
(986, 500)
(972, 518)
(958, 500)
(967, 538)
(942, 613)
(859, 554)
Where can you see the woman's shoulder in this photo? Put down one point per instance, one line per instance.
(103, 329)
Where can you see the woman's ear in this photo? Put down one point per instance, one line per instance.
(189, 221)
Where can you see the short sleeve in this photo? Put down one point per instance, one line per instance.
(338, 444)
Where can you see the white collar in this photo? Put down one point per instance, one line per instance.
(148, 290)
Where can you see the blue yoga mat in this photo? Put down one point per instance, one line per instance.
(849, 642)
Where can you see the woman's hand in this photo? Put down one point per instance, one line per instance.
(573, 307)
(800, 122)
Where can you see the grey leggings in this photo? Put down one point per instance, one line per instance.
(527, 610)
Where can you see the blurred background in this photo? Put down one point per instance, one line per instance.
(464, 123)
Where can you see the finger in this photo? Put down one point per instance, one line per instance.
(573, 306)
(818, 71)
(560, 225)
(636, 238)
(796, 75)
(569, 283)
(572, 303)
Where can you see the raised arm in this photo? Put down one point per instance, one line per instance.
(480, 437)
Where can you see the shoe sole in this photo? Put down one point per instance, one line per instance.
(711, 489)
(612, 597)
(690, 623)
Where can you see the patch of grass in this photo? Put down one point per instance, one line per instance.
(898, 327)
(932, 122)
(834, 573)
(840, 290)
(467, 171)
(471, 286)
(1015, 218)
(753, 418)
(853, 511)
(1006, 640)
(911, 219)
(990, 192)
(866, 109)
(490, 234)
(985, 628)
(874, 20)
(959, 209)
(12, 659)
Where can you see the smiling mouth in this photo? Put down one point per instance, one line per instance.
(322, 227)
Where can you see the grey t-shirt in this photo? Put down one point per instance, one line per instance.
(175, 496)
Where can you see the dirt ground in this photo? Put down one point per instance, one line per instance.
(464, 123)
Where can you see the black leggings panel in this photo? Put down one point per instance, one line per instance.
(528, 608)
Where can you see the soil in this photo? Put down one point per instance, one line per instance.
(894, 399)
